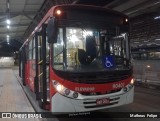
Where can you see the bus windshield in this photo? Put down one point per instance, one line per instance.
(86, 50)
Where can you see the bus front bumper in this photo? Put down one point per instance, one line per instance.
(63, 104)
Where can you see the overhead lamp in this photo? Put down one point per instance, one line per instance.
(8, 21)
(8, 40)
(8, 27)
(157, 39)
(148, 66)
(157, 17)
(8, 43)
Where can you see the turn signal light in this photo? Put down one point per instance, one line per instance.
(132, 81)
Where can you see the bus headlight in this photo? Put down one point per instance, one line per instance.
(131, 83)
(129, 86)
(59, 87)
(64, 91)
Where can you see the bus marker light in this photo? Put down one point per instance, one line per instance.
(75, 94)
(67, 91)
(130, 86)
(125, 89)
(132, 81)
(54, 83)
(58, 12)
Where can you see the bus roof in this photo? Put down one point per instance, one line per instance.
(50, 13)
(89, 7)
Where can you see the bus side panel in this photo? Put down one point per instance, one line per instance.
(31, 74)
(26, 73)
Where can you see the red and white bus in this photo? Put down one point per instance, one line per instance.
(78, 59)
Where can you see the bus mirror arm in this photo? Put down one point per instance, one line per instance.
(52, 30)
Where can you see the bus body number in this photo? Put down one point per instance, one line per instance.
(119, 85)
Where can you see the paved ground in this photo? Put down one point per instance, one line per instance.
(12, 97)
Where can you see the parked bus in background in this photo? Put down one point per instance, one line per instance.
(78, 59)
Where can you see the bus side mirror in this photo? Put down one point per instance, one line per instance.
(52, 31)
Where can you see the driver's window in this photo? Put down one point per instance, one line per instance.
(81, 46)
